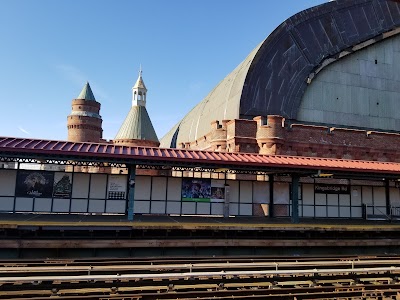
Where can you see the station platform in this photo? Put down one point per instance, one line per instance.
(144, 222)
(157, 235)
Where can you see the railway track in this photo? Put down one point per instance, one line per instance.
(203, 278)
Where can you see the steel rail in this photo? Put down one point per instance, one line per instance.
(113, 243)
(188, 275)
(157, 260)
(195, 266)
(216, 293)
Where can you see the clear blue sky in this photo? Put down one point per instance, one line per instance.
(50, 48)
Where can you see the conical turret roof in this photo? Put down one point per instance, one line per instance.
(137, 126)
(86, 93)
(139, 82)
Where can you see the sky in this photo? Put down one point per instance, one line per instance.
(49, 49)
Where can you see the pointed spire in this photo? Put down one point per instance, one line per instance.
(137, 128)
(139, 91)
(86, 93)
(139, 82)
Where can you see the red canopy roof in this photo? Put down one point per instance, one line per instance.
(18, 147)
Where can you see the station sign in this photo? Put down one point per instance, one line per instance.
(321, 188)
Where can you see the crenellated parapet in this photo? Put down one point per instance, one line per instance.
(270, 134)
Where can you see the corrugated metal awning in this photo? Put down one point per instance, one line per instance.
(34, 148)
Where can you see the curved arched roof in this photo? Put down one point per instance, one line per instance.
(273, 78)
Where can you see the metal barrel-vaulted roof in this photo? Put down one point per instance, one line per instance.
(86, 93)
(137, 125)
(273, 78)
(62, 150)
(219, 104)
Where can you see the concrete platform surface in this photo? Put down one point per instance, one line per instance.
(19, 220)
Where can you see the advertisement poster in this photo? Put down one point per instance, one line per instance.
(217, 193)
(35, 184)
(196, 189)
(116, 188)
(62, 185)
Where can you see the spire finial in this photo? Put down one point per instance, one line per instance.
(140, 70)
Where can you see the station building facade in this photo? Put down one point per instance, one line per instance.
(324, 84)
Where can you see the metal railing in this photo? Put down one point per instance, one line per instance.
(371, 212)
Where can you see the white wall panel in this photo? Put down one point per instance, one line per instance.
(394, 196)
(141, 207)
(174, 189)
(79, 205)
(308, 211)
(203, 208)
(300, 209)
(80, 185)
(98, 186)
(260, 192)
(217, 208)
(333, 199)
(8, 179)
(142, 187)
(246, 209)
(246, 192)
(356, 197)
(379, 196)
(233, 190)
(333, 212)
(367, 195)
(116, 206)
(217, 182)
(6, 204)
(233, 209)
(42, 204)
(23, 204)
(97, 206)
(344, 212)
(344, 200)
(173, 208)
(320, 211)
(320, 199)
(356, 212)
(61, 205)
(188, 208)
(159, 188)
(308, 194)
(281, 193)
(158, 207)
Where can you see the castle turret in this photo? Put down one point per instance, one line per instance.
(84, 122)
(137, 129)
(270, 136)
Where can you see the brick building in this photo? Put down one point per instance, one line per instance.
(325, 83)
(85, 123)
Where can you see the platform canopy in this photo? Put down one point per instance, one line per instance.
(51, 151)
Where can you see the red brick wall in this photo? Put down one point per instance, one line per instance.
(135, 143)
(84, 128)
(272, 136)
(340, 143)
